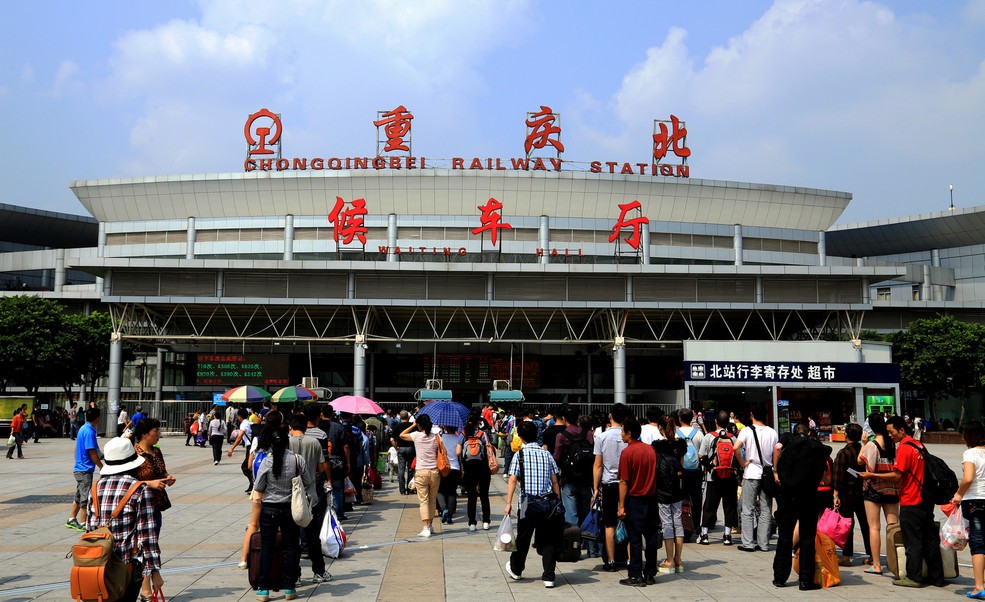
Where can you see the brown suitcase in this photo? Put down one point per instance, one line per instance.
(895, 554)
(253, 559)
(894, 539)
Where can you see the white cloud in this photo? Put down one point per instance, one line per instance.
(64, 77)
(27, 73)
(975, 11)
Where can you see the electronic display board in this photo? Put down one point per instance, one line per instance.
(233, 369)
(478, 370)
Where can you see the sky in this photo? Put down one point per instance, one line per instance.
(885, 101)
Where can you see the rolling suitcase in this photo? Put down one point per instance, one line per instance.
(571, 544)
(896, 554)
(253, 560)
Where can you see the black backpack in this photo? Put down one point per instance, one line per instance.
(578, 461)
(939, 482)
(670, 479)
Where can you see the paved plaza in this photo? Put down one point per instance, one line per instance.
(202, 533)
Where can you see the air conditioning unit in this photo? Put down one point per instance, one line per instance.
(433, 384)
(501, 385)
(309, 382)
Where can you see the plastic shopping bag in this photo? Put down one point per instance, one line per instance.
(504, 536)
(954, 531)
(349, 491)
(826, 571)
(332, 536)
(621, 536)
(835, 526)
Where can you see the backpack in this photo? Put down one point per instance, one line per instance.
(691, 457)
(670, 479)
(98, 573)
(578, 460)
(724, 457)
(474, 449)
(258, 458)
(939, 482)
(541, 427)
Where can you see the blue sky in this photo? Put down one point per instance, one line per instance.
(883, 100)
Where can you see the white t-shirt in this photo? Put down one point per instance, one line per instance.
(123, 418)
(976, 456)
(767, 441)
(246, 427)
(452, 441)
(650, 433)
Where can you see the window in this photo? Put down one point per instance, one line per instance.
(884, 293)
(916, 292)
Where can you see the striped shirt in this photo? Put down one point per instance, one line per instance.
(538, 466)
(134, 535)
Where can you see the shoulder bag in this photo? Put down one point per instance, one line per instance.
(767, 483)
(300, 504)
(444, 465)
(544, 507)
(491, 457)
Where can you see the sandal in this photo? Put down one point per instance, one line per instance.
(868, 560)
(872, 570)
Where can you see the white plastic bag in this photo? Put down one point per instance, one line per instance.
(505, 540)
(332, 536)
(954, 531)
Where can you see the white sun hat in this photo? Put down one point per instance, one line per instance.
(119, 457)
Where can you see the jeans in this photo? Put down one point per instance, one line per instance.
(855, 506)
(274, 518)
(338, 495)
(405, 455)
(476, 480)
(216, 441)
(577, 499)
(752, 490)
(974, 513)
(10, 450)
(922, 543)
(720, 491)
(74, 426)
(790, 509)
(312, 534)
(641, 524)
(549, 536)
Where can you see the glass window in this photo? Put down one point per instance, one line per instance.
(884, 293)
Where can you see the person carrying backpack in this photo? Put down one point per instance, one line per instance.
(693, 475)
(670, 493)
(475, 470)
(722, 480)
(574, 453)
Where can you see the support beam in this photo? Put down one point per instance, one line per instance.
(359, 368)
(159, 384)
(391, 236)
(822, 250)
(737, 244)
(288, 237)
(190, 244)
(545, 238)
(115, 383)
(645, 243)
(619, 374)
(59, 270)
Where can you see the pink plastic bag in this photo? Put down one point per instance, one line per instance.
(835, 526)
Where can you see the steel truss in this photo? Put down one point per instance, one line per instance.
(207, 323)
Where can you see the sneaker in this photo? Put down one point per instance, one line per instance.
(322, 578)
(548, 584)
(651, 580)
(290, 594)
(425, 532)
(444, 517)
(633, 582)
(73, 523)
(703, 539)
(907, 582)
(485, 526)
(509, 571)
(431, 528)
(745, 549)
(471, 528)
(727, 540)
(263, 595)
(216, 463)
(609, 567)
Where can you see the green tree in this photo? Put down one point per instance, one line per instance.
(29, 341)
(943, 357)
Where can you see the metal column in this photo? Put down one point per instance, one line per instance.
(619, 374)
(59, 270)
(737, 244)
(545, 238)
(115, 382)
(159, 384)
(359, 368)
(391, 236)
(190, 244)
(645, 243)
(288, 237)
(822, 249)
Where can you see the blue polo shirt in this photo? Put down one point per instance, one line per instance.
(136, 418)
(85, 440)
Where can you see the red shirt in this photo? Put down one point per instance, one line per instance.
(638, 467)
(909, 462)
(16, 424)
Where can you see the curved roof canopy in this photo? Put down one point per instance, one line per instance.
(939, 230)
(46, 228)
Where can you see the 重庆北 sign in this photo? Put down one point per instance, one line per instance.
(791, 372)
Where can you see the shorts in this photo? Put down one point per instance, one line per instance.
(83, 488)
(610, 504)
(879, 498)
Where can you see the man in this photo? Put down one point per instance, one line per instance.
(137, 417)
(650, 432)
(577, 472)
(487, 414)
(538, 479)
(637, 507)
(692, 432)
(721, 486)
(800, 466)
(551, 432)
(756, 443)
(310, 449)
(74, 424)
(121, 420)
(230, 420)
(86, 462)
(608, 449)
(405, 454)
(848, 491)
(264, 410)
(916, 515)
(16, 426)
(338, 459)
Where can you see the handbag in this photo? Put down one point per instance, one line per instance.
(491, 458)
(835, 526)
(374, 476)
(767, 483)
(591, 527)
(164, 505)
(444, 465)
(300, 504)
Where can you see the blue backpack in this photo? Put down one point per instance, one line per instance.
(258, 458)
(691, 457)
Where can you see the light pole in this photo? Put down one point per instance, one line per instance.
(951, 187)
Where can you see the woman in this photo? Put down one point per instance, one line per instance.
(848, 491)
(882, 495)
(258, 450)
(145, 436)
(217, 432)
(426, 477)
(475, 473)
(135, 531)
(273, 486)
(670, 492)
(246, 438)
(971, 496)
(448, 489)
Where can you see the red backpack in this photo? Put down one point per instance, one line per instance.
(724, 457)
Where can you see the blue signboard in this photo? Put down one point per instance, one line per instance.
(779, 373)
(217, 399)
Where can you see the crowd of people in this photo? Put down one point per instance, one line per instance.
(654, 481)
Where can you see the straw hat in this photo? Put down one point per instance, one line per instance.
(119, 457)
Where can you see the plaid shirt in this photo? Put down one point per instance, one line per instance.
(134, 536)
(538, 466)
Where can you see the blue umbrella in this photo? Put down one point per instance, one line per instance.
(446, 413)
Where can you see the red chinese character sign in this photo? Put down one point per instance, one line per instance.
(675, 139)
(542, 131)
(348, 222)
(396, 127)
(634, 223)
(491, 219)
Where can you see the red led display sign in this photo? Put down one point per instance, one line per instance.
(230, 369)
(478, 370)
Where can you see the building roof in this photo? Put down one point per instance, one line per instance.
(571, 194)
(938, 230)
(46, 228)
